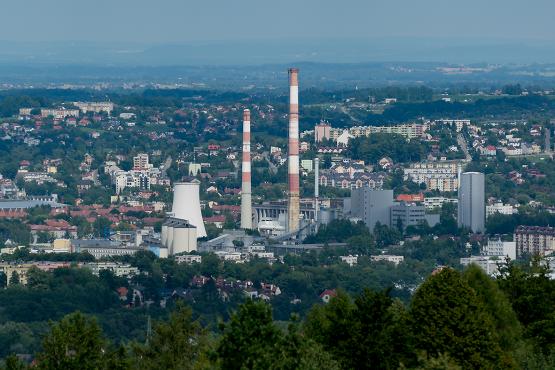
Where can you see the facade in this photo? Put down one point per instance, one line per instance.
(471, 209)
(437, 202)
(60, 113)
(371, 206)
(490, 264)
(407, 214)
(95, 107)
(499, 207)
(538, 240)
(99, 248)
(388, 258)
(349, 260)
(141, 162)
(441, 176)
(497, 247)
(322, 132)
(119, 269)
(20, 269)
(409, 131)
(188, 258)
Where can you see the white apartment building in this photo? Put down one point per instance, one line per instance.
(490, 264)
(59, 113)
(188, 259)
(437, 202)
(499, 207)
(497, 247)
(95, 107)
(441, 176)
(350, 260)
(388, 258)
(119, 269)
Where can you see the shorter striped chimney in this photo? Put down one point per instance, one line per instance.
(246, 196)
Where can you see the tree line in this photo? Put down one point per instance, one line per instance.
(455, 320)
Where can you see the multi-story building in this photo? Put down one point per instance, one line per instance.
(119, 269)
(349, 260)
(371, 206)
(59, 113)
(352, 181)
(96, 107)
(322, 132)
(441, 176)
(490, 264)
(497, 247)
(388, 258)
(499, 207)
(410, 131)
(188, 258)
(410, 214)
(471, 208)
(141, 163)
(538, 240)
(438, 202)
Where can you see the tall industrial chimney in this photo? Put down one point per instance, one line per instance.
(246, 197)
(293, 208)
(316, 188)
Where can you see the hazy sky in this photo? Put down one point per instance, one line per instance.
(171, 21)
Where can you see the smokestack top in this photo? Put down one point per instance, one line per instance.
(246, 115)
(293, 77)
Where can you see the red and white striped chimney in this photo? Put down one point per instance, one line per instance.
(246, 197)
(293, 208)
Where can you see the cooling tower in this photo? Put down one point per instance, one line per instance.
(186, 205)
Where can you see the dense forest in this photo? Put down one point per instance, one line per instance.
(454, 320)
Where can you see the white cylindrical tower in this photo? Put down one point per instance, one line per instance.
(186, 205)
(246, 196)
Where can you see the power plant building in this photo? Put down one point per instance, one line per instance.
(371, 206)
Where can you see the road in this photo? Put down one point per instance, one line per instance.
(464, 147)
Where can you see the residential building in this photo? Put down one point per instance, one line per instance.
(441, 176)
(349, 260)
(538, 240)
(388, 258)
(471, 208)
(490, 264)
(497, 247)
(438, 202)
(499, 207)
(95, 107)
(188, 258)
(119, 269)
(322, 132)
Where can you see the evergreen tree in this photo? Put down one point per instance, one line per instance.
(369, 333)
(449, 318)
(14, 278)
(176, 344)
(76, 342)
(498, 306)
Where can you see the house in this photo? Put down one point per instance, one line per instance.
(327, 295)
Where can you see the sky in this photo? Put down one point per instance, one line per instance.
(187, 21)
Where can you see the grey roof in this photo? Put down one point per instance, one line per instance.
(25, 204)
